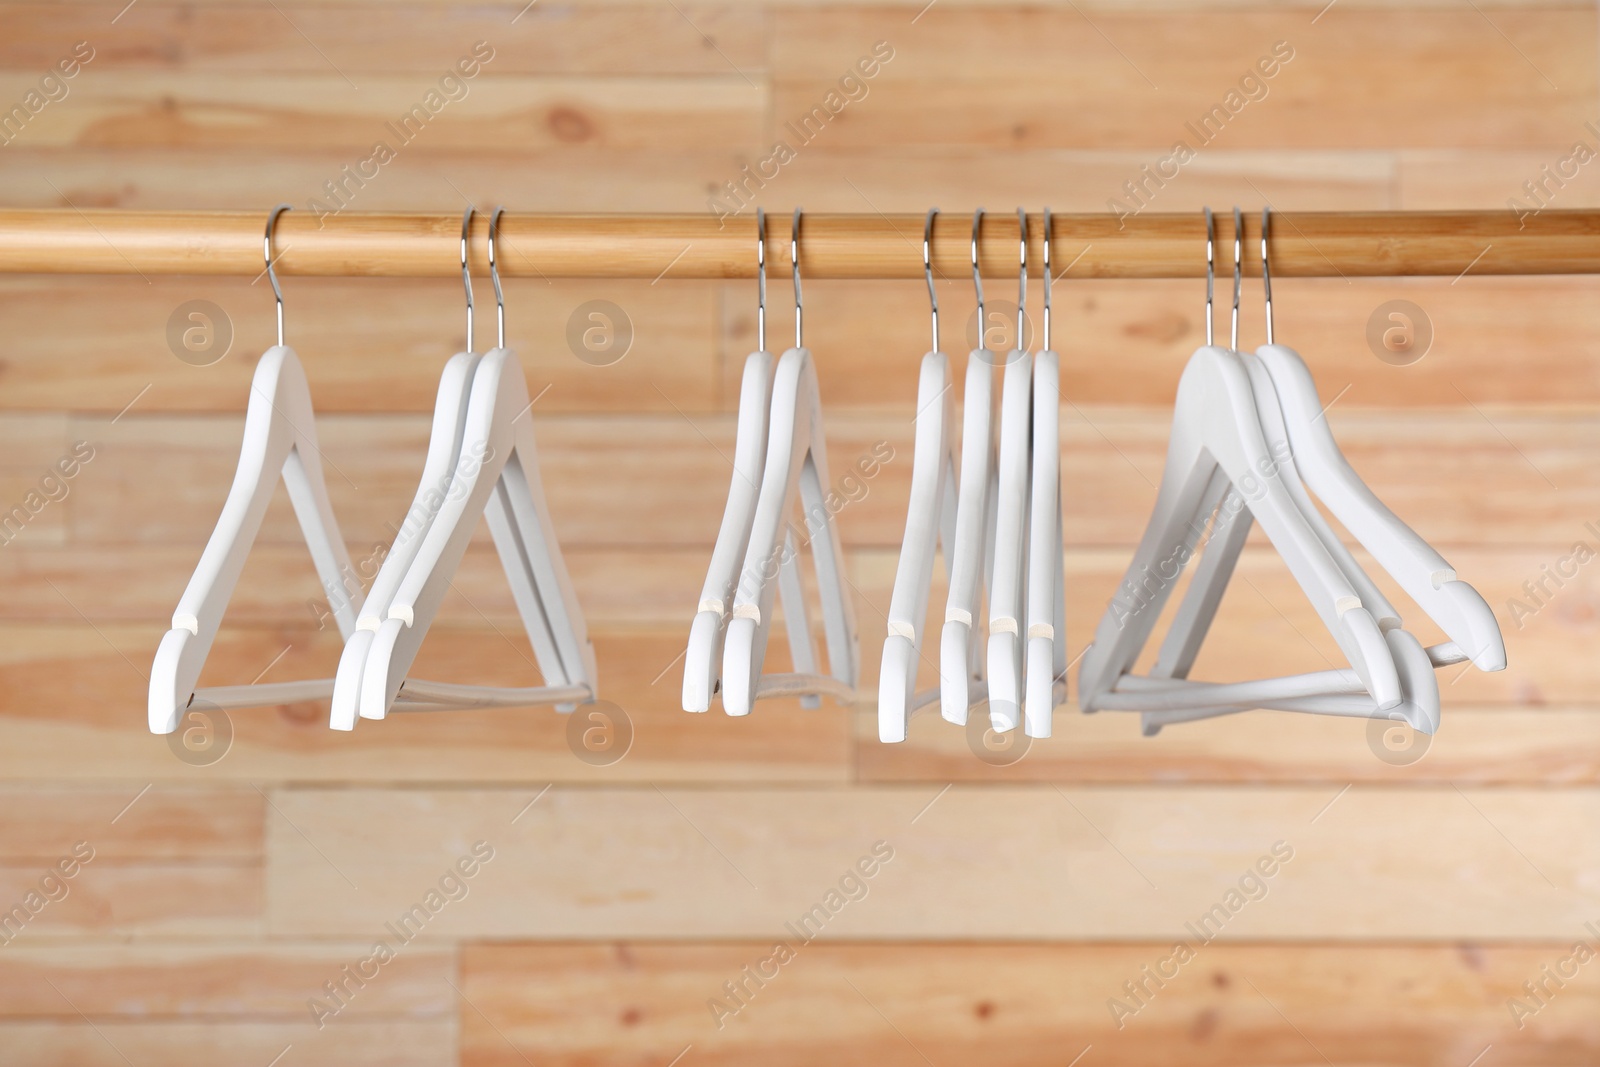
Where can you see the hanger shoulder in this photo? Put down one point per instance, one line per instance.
(1422, 572)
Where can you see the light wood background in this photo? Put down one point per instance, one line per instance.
(1428, 882)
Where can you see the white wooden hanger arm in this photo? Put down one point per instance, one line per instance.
(1010, 543)
(1045, 660)
(931, 462)
(960, 657)
(704, 651)
(1424, 574)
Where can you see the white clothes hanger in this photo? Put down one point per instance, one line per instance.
(1458, 609)
(1045, 659)
(1217, 428)
(796, 469)
(443, 456)
(497, 476)
(1010, 577)
(1420, 696)
(702, 657)
(930, 523)
(1384, 531)
(962, 681)
(280, 439)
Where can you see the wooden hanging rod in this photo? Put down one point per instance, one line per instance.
(1303, 244)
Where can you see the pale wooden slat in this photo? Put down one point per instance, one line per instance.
(109, 900)
(1135, 80)
(222, 980)
(38, 825)
(420, 40)
(1071, 863)
(595, 179)
(366, 346)
(1255, 1005)
(601, 179)
(879, 178)
(327, 111)
(116, 1044)
(1533, 473)
(1491, 178)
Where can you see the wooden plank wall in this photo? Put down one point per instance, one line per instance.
(1337, 894)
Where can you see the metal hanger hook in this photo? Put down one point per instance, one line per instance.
(272, 275)
(466, 273)
(1211, 271)
(1238, 274)
(494, 276)
(794, 256)
(1022, 275)
(761, 280)
(1048, 233)
(977, 279)
(927, 272)
(1266, 271)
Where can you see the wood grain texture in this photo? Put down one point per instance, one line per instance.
(1387, 1005)
(965, 78)
(1074, 863)
(421, 40)
(394, 1043)
(221, 980)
